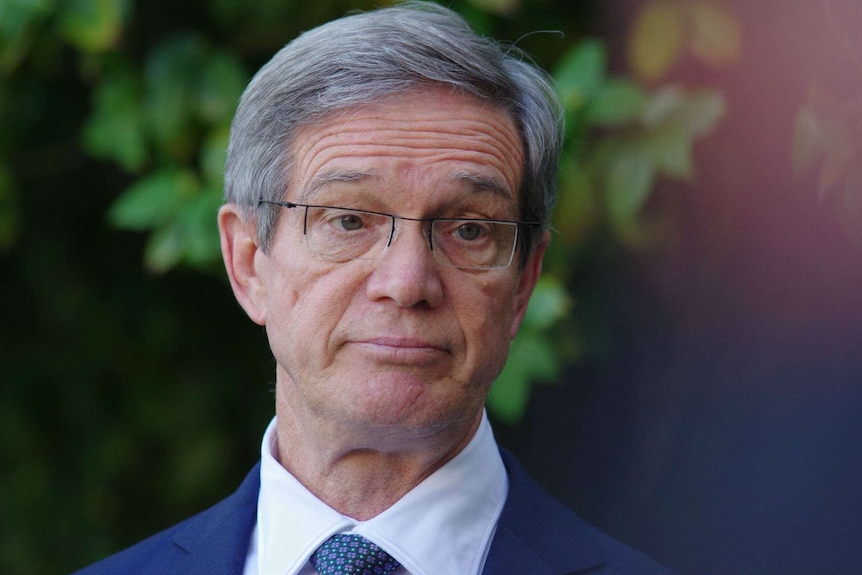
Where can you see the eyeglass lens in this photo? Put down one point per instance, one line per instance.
(342, 234)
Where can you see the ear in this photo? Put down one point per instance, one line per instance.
(244, 268)
(527, 282)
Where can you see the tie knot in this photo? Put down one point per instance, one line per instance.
(353, 554)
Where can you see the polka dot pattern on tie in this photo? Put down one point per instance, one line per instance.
(350, 553)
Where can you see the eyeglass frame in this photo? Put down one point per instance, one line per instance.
(393, 217)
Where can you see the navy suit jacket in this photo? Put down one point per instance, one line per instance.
(536, 535)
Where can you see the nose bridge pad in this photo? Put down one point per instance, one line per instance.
(395, 230)
(392, 233)
(430, 231)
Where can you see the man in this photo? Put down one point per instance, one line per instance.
(388, 188)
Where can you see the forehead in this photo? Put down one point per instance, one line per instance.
(428, 141)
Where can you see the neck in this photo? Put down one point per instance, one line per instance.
(359, 471)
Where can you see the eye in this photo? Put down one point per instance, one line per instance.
(349, 222)
(469, 231)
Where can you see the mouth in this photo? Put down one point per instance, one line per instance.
(406, 351)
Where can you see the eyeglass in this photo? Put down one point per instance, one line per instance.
(344, 234)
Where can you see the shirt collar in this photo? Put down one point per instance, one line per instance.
(454, 509)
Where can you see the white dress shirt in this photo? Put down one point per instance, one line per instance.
(443, 525)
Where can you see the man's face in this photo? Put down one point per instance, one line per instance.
(400, 342)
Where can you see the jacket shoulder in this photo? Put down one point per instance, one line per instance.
(538, 533)
(213, 541)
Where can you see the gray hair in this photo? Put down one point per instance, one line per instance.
(367, 57)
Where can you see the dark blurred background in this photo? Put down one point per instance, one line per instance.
(709, 414)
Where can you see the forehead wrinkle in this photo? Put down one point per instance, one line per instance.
(501, 142)
(393, 130)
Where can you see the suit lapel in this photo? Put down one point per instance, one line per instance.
(538, 535)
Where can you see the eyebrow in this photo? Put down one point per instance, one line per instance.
(484, 183)
(324, 179)
(477, 182)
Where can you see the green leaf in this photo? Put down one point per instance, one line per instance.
(532, 357)
(581, 73)
(806, 140)
(835, 142)
(618, 101)
(835, 136)
(701, 112)
(657, 39)
(165, 247)
(663, 104)
(93, 25)
(115, 129)
(716, 37)
(823, 132)
(577, 212)
(171, 74)
(671, 149)
(507, 398)
(214, 155)
(832, 173)
(548, 305)
(201, 246)
(181, 216)
(698, 111)
(153, 201)
(19, 21)
(218, 88)
(628, 185)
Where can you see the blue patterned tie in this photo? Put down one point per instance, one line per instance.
(353, 554)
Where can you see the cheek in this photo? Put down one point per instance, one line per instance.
(496, 296)
(488, 314)
(305, 307)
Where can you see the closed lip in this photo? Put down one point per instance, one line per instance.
(405, 351)
(401, 343)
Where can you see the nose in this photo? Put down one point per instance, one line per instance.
(407, 273)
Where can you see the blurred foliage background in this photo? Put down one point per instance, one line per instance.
(700, 316)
